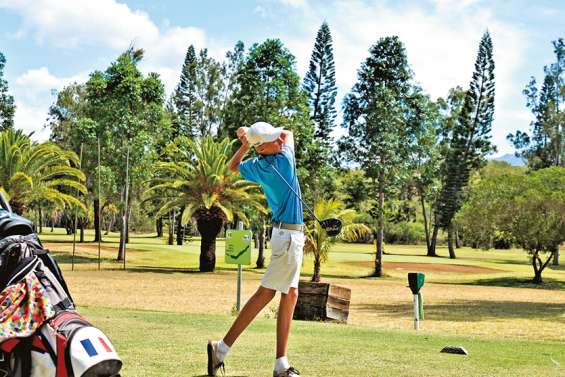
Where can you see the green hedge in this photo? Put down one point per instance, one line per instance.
(404, 233)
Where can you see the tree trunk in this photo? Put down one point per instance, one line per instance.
(380, 230)
(426, 228)
(209, 223)
(433, 242)
(539, 266)
(450, 241)
(110, 224)
(128, 212)
(316, 275)
(261, 242)
(457, 239)
(171, 239)
(556, 256)
(81, 227)
(159, 227)
(97, 225)
(180, 232)
(40, 215)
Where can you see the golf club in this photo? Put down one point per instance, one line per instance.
(331, 226)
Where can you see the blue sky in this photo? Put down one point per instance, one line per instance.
(50, 43)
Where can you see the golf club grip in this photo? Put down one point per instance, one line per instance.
(295, 193)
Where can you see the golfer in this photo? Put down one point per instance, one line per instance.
(276, 147)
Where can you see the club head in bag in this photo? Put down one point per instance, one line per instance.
(331, 226)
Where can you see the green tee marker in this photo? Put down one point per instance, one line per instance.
(238, 247)
(415, 283)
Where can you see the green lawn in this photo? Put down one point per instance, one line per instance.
(172, 344)
(160, 312)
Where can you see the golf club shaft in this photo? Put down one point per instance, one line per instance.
(295, 193)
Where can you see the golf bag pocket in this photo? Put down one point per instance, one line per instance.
(78, 348)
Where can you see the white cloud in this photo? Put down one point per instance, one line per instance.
(31, 119)
(35, 91)
(41, 79)
(294, 3)
(69, 24)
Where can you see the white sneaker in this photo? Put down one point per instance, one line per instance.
(213, 363)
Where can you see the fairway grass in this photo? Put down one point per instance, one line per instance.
(173, 344)
(160, 311)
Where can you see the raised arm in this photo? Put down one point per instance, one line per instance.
(236, 159)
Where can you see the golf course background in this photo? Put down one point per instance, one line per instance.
(160, 312)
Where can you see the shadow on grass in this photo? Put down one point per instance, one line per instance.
(512, 282)
(474, 311)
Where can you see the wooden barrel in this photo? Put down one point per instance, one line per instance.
(322, 302)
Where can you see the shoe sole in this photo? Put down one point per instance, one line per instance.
(211, 371)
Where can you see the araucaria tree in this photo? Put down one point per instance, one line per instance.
(545, 146)
(184, 97)
(7, 106)
(198, 96)
(379, 137)
(470, 140)
(320, 88)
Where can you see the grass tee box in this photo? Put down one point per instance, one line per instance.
(238, 247)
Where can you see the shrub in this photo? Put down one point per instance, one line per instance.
(404, 233)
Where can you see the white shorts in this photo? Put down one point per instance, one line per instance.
(287, 249)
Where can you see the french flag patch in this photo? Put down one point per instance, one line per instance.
(90, 349)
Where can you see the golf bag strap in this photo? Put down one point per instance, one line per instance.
(61, 359)
(9, 345)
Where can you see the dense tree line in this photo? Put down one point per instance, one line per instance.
(401, 171)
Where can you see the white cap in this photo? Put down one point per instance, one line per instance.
(262, 132)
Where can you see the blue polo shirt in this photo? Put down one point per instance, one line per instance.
(284, 204)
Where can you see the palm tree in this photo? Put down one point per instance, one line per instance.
(201, 185)
(318, 243)
(34, 175)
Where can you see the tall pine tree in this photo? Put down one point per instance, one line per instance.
(470, 140)
(7, 106)
(319, 85)
(320, 88)
(546, 145)
(379, 134)
(185, 97)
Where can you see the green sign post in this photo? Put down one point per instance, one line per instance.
(238, 251)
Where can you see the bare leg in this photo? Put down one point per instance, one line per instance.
(255, 304)
(284, 319)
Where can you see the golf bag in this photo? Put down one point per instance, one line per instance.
(41, 334)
